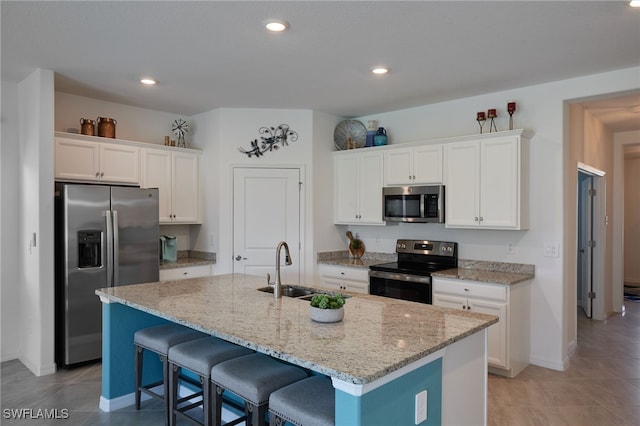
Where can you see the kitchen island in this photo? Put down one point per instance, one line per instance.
(383, 353)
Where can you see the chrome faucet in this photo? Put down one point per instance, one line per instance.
(277, 285)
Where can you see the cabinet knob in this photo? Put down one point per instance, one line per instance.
(481, 218)
(102, 174)
(466, 289)
(475, 219)
(413, 177)
(185, 273)
(97, 174)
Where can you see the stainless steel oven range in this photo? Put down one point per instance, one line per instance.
(410, 277)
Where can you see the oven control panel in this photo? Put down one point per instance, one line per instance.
(438, 248)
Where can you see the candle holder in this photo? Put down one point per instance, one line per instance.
(511, 108)
(492, 115)
(481, 120)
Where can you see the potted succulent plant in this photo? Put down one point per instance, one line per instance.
(327, 307)
(356, 246)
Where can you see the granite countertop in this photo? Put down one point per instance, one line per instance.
(490, 272)
(342, 258)
(188, 258)
(378, 335)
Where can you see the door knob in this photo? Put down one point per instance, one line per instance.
(238, 257)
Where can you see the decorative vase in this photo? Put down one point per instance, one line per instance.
(381, 137)
(327, 315)
(372, 127)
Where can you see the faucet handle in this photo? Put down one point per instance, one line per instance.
(269, 283)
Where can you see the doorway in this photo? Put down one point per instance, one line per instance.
(590, 242)
(266, 210)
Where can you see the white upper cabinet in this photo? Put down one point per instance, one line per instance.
(358, 187)
(420, 165)
(487, 182)
(176, 174)
(85, 160)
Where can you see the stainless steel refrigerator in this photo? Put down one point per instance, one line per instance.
(105, 236)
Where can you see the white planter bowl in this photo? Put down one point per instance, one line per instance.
(327, 315)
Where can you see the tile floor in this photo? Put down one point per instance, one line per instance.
(601, 387)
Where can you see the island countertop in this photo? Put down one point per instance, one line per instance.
(378, 335)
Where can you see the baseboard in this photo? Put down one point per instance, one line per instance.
(553, 365)
(9, 356)
(39, 370)
(109, 405)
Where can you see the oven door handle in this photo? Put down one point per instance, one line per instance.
(400, 277)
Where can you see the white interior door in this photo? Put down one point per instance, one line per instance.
(266, 210)
(585, 236)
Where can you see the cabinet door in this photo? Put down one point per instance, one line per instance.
(119, 163)
(356, 286)
(449, 301)
(398, 166)
(427, 165)
(186, 188)
(500, 183)
(76, 160)
(497, 333)
(370, 187)
(346, 182)
(156, 173)
(462, 186)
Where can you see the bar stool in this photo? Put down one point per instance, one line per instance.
(159, 339)
(198, 356)
(253, 378)
(308, 402)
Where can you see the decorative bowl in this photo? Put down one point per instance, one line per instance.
(327, 315)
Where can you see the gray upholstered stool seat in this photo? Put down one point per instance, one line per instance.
(198, 356)
(309, 402)
(253, 378)
(159, 339)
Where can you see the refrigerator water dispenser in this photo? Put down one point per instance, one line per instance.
(89, 249)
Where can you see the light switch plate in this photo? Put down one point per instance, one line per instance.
(421, 407)
(551, 249)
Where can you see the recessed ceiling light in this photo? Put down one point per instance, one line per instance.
(147, 81)
(276, 25)
(634, 3)
(380, 70)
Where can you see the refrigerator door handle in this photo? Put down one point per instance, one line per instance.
(116, 246)
(109, 264)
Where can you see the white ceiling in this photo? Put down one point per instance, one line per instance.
(213, 54)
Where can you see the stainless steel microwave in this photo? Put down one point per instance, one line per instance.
(413, 203)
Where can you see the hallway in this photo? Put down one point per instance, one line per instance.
(600, 387)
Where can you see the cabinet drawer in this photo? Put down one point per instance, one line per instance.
(184, 273)
(345, 273)
(470, 289)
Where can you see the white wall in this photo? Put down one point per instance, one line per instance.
(36, 319)
(236, 128)
(632, 219)
(541, 109)
(9, 221)
(133, 123)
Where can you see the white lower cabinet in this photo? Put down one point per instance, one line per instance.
(186, 272)
(508, 341)
(344, 278)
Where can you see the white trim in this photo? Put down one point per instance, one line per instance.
(361, 389)
(554, 365)
(590, 170)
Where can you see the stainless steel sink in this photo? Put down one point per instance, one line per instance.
(302, 293)
(291, 291)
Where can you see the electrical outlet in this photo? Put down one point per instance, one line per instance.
(421, 407)
(212, 240)
(551, 250)
(511, 249)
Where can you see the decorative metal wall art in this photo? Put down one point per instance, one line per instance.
(276, 137)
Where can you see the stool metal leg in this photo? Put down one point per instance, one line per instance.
(173, 393)
(165, 385)
(206, 401)
(138, 373)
